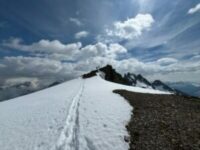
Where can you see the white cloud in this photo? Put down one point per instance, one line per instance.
(76, 21)
(194, 9)
(132, 27)
(34, 65)
(81, 34)
(115, 49)
(98, 49)
(59, 51)
(167, 61)
(15, 81)
(54, 63)
(101, 50)
(154, 68)
(146, 68)
(44, 46)
(42, 68)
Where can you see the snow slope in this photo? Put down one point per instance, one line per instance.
(79, 114)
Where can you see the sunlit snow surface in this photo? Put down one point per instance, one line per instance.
(76, 115)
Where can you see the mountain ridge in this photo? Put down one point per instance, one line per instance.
(109, 74)
(132, 79)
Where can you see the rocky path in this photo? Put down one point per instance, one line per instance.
(163, 122)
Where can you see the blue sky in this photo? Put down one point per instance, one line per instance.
(65, 38)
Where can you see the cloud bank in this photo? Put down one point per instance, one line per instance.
(56, 60)
(141, 37)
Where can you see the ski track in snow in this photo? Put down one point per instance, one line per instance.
(69, 138)
(81, 114)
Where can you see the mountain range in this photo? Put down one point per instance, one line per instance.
(20, 89)
(102, 110)
(132, 79)
(110, 74)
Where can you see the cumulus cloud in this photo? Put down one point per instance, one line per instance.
(55, 63)
(15, 81)
(35, 65)
(157, 67)
(194, 9)
(136, 66)
(115, 49)
(73, 51)
(103, 50)
(76, 21)
(44, 46)
(132, 27)
(81, 34)
(42, 68)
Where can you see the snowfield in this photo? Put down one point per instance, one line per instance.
(81, 114)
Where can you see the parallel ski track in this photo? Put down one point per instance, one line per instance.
(68, 139)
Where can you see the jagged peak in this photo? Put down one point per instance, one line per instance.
(110, 74)
(157, 82)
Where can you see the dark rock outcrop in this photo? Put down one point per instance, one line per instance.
(110, 75)
(134, 80)
(158, 83)
(164, 87)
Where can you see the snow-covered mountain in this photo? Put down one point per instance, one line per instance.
(187, 87)
(131, 79)
(157, 84)
(20, 89)
(12, 91)
(138, 80)
(78, 114)
(110, 74)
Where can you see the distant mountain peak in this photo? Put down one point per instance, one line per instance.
(162, 86)
(110, 74)
(138, 80)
